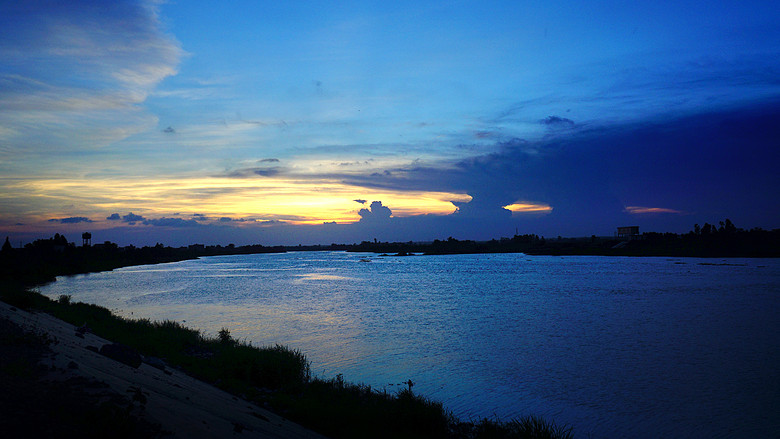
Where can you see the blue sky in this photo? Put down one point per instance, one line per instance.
(277, 123)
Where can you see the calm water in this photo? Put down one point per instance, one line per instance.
(615, 347)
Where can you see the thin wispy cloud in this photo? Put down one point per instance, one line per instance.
(81, 70)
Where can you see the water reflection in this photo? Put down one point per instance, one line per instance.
(638, 347)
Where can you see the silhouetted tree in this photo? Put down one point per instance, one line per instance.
(730, 227)
(7, 247)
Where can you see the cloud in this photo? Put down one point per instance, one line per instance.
(557, 122)
(114, 217)
(528, 207)
(360, 201)
(74, 74)
(269, 161)
(227, 219)
(270, 222)
(484, 134)
(169, 130)
(270, 171)
(640, 210)
(375, 213)
(267, 172)
(716, 164)
(171, 222)
(71, 220)
(131, 218)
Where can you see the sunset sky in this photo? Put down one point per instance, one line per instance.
(318, 122)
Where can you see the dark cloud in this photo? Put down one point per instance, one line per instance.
(557, 122)
(199, 217)
(131, 218)
(171, 222)
(114, 217)
(360, 201)
(169, 130)
(711, 165)
(272, 160)
(484, 134)
(71, 220)
(375, 213)
(270, 222)
(268, 172)
(227, 219)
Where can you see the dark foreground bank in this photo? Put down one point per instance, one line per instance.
(276, 378)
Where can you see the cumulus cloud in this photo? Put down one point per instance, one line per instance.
(71, 220)
(114, 217)
(131, 218)
(375, 213)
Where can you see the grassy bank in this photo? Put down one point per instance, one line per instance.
(279, 378)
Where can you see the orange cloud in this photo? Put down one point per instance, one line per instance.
(528, 207)
(639, 210)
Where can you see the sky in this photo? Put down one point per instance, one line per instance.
(315, 123)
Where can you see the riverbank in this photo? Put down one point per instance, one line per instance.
(48, 360)
(715, 243)
(275, 379)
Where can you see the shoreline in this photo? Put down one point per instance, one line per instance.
(249, 383)
(180, 404)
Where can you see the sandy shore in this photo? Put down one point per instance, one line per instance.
(182, 405)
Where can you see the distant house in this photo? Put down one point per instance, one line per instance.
(628, 232)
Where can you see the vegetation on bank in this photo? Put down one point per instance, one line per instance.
(43, 260)
(279, 378)
(723, 240)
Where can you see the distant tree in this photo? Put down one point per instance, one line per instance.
(729, 227)
(7, 247)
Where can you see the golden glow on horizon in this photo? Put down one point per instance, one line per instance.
(528, 207)
(297, 201)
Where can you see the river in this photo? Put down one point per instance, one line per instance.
(612, 346)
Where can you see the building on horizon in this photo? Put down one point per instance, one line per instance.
(628, 232)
